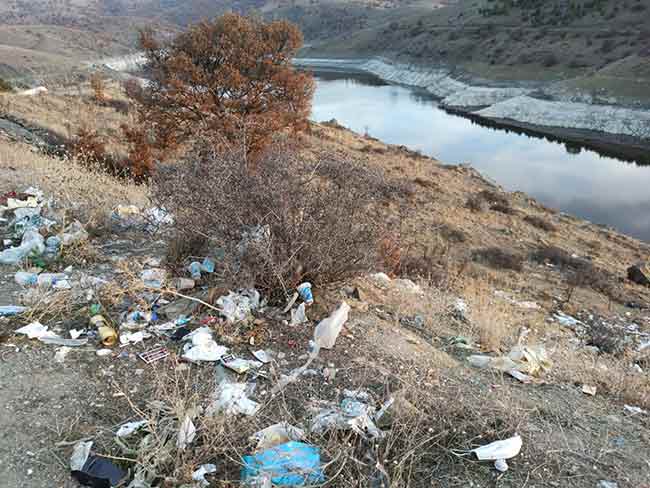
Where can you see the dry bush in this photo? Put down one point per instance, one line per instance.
(140, 159)
(86, 191)
(553, 255)
(606, 338)
(5, 86)
(219, 77)
(492, 197)
(89, 147)
(504, 209)
(450, 233)
(475, 203)
(540, 223)
(434, 263)
(285, 221)
(499, 258)
(580, 272)
(390, 253)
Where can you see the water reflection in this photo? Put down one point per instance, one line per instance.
(560, 174)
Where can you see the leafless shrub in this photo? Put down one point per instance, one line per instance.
(475, 203)
(499, 258)
(553, 255)
(451, 234)
(581, 272)
(540, 223)
(495, 200)
(504, 209)
(493, 197)
(606, 338)
(283, 221)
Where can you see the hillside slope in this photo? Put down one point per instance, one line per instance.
(591, 45)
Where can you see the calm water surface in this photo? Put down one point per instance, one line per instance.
(600, 189)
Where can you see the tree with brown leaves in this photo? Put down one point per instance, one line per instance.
(228, 81)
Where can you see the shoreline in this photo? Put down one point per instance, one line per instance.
(612, 131)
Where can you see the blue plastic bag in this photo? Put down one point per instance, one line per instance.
(289, 464)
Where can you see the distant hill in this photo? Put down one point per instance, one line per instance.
(38, 37)
(597, 44)
(592, 44)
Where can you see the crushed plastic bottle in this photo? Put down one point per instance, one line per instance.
(49, 280)
(25, 278)
(195, 270)
(32, 244)
(8, 310)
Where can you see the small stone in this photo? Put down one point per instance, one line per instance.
(589, 390)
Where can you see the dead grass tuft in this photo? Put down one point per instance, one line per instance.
(492, 320)
(540, 223)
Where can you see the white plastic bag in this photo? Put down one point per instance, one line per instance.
(328, 329)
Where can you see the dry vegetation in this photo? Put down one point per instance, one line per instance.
(89, 194)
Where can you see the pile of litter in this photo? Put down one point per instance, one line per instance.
(30, 229)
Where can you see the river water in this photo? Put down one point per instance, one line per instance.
(580, 182)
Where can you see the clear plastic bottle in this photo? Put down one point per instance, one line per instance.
(25, 278)
(47, 280)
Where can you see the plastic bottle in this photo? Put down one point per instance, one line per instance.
(52, 245)
(24, 278)
(195, 270)
(47, 280)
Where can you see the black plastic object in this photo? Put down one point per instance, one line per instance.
(180, 333)
(99, 473)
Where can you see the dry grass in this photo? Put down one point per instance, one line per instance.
(89, 195)
(68, 110)
(613, 376)
(492, 320)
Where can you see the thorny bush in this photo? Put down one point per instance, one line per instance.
(283, 222)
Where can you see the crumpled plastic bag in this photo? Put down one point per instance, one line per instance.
(199, 474)
(129, 428)
(237, 306)
(232, 398)
(499, 451)
(277, 434)
(289, 464)
(202, 346)
(526, 359)
(298, 315)
(32, 244)
(74, 233)
(328, 329)
(351, 414)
